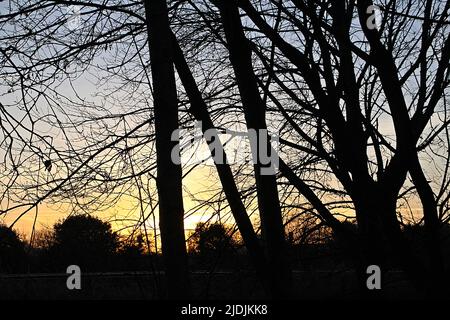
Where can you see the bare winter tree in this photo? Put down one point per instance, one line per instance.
(356, 90)
(342, 82)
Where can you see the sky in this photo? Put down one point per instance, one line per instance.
(200, 180)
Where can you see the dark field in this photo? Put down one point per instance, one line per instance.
(218, 285)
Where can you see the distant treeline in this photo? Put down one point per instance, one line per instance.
(92, 244)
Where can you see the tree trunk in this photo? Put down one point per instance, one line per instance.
(266, 185)
(199, 110)
(373, 246)
(384, 205)
(169, 179)
(436, 278)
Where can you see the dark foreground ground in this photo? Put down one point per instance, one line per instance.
(218, 285)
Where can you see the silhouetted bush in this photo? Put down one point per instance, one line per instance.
(212, 238)
(212, 246)
(132, 255)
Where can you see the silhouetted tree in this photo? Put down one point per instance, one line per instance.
(212, 239)
(12, 251)
(85, 241)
